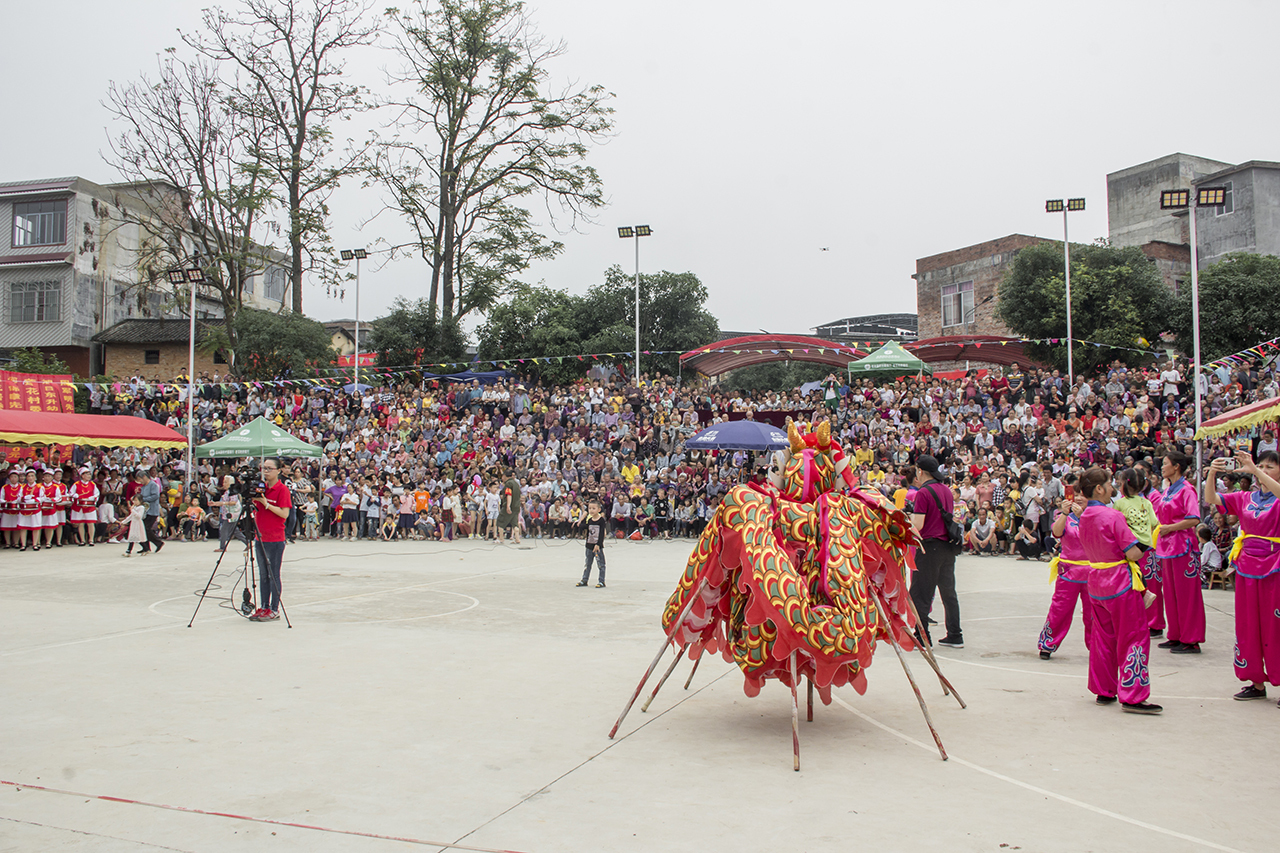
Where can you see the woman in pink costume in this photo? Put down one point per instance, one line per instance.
(1178, 555)
(1256, 555)
(1070, 574)
(1121, 641)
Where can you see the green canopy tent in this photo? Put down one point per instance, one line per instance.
(891, 360)
(260, 437)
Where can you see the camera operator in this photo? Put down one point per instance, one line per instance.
(271, 509)
(228, 504)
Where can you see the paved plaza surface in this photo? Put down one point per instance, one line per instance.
(459, 696)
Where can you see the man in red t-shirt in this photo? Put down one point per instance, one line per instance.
(271, 510)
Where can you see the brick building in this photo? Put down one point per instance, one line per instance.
(956, 291)
(154, 349)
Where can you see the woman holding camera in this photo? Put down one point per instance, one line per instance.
(1256, 555)
(1178, 557)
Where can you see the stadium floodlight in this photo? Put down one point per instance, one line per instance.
(1056, 205)
(357, 255)
(625, 232)
(1175, 199)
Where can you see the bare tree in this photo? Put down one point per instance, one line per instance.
(197, 183)
(478, 136)
(289, 54)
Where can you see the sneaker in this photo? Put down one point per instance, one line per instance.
(580, 583)
(268, 615)
(1141, 708)
(952, 642)
(256, 616)
(1186, 649)
(1168, 644)
(1105, 700)
(1157, 632)
(1251, 692)
(600, 585)
(1046, 655)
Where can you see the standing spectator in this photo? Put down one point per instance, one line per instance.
(935, 559)
(149, 492)
(595, 536)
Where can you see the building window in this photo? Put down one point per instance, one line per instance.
(39, 223)
(35, 302)
(1228, 203)
(151, 356)
(957, 304)
(275, 284)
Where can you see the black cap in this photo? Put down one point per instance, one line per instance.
(928, 464)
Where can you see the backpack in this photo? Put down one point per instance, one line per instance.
(955, 533)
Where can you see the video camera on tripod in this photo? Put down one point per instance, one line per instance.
(247, 486)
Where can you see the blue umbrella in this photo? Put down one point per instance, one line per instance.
(351, 387)
(739, 435)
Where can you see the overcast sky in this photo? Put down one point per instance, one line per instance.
(751, 138)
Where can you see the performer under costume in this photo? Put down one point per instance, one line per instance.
(1256, 555)
(1121, 642)
(1178, 558)
(1070, 574)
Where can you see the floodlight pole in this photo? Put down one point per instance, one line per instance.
(637, 308)
(1066, 255)
(1195, 327)
(191, 384)
(356, 367)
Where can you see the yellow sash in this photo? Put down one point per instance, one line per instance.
(1053, 566)
(1133, 567)
(1155, 537)
(1238, 545)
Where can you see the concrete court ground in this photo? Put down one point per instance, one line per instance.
(458, 696)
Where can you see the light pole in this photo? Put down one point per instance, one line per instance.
(359, 255)
(625, 232)
(191, 276)
(1054, 206)
(1181, 200)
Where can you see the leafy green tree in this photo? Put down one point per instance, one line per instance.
(412, 334)
(673, 316)
(1118, 297)
(542, 322)
(36, 360)
(483, 133)
(1238, 306)
(539, 322)
(273, 345)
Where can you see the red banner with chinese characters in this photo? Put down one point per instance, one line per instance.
(36, 392)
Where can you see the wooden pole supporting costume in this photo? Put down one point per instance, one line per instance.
(693, 672)
(795, 714)
(663, 680)
(927, 651)
(675, 626)
(919, 698)
(809, 681)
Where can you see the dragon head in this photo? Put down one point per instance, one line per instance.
(813, 464)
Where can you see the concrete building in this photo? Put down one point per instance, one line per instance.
(1134, 217)
(956, 291)
(69, 268)
(154, 349)
(1250, 219)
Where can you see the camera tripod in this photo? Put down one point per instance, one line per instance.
(246, 524)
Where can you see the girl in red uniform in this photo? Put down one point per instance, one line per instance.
(29, 516)
(84, 506)
(10, 501)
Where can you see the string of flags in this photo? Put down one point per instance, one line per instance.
(342, 375)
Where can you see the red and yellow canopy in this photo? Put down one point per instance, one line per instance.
(23, 427)
(1261, 412)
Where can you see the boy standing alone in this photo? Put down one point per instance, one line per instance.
(595, 529)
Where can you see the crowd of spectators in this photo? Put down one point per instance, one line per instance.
(434, 460)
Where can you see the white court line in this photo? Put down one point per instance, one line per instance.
(475, 602)
(1036, 789)
(1005, 668)
(994, 618)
